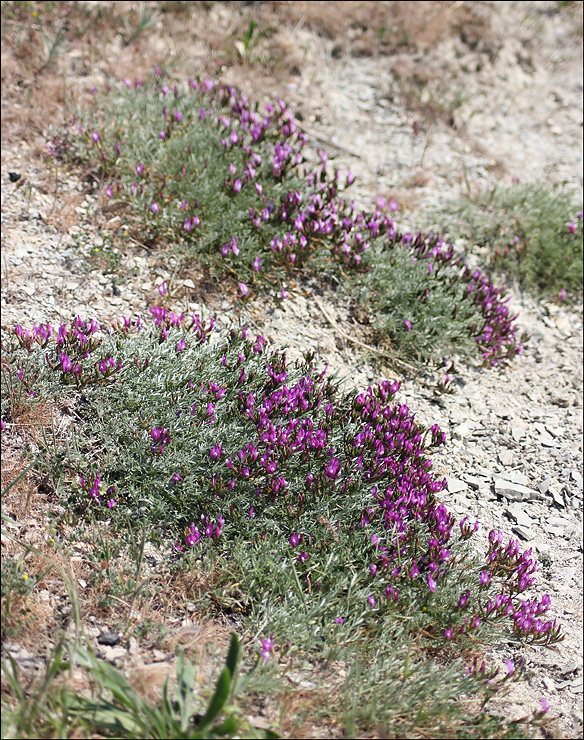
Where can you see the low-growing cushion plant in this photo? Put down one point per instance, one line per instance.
(228, 186)
(315, 511)
(527, 231)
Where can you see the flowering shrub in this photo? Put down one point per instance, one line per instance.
(233, 450)
(233, 188)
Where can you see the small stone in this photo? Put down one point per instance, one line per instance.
(517, 432)
(522, 532)
(556, 531)
(565, 524)
(514, 491)
(455, 485)
(562, 685)
(548, 683)
(111, 653)
(577, 478)
(506, 458)
(519, 517)
(462, 430)
(108, 638)
(514, 476)
(475, 483)
(561, 401)
(544, 485)
(563, 323)
(543, 547)
(558, 499)
(547, 440)
(569, 668)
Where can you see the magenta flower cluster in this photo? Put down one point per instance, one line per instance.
(73, 345)
(94, 491)
(193, 535)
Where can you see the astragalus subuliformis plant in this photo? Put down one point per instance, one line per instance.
(227, 185)
(314, 512)
(232, 453)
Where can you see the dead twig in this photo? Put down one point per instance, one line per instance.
(323, 140)
(349, 338)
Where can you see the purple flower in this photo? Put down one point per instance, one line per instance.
(178, 116)
(65, 363)
(162, 288)
(95, 137)
(448, 633)
(111, 503)
(544, 705)
(139, 168)
(371, 601)
(393, 206)
(332, 468)
(294, 539)
(339, 620)
(181, 346)
(175, 478)
(485, 578)
(373, 569)
(431, 584)
(162, 134)
(267, 646)
(216, 452)
(194, 537)
(303, 557)
(407, 325)
(510, 667)
(244, 289)
(237, 186)
(572, 227)
(257, 263)
(154, 207)
(109, 192)
(188, 225)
